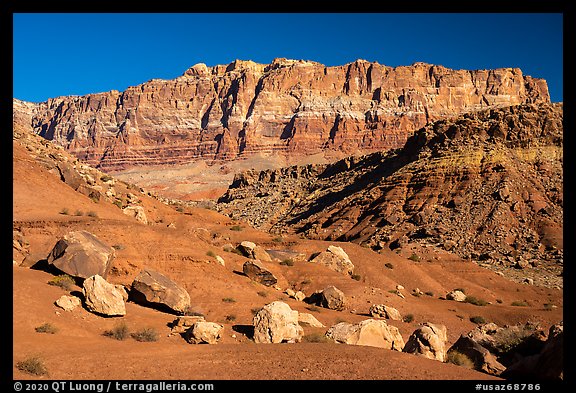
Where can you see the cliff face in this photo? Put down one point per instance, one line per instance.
(485, 185)
(286, 107)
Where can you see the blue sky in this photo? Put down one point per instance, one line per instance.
(76, 54)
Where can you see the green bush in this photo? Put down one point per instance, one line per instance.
(414, 257)
(145, 335)
(229, 300)
(520, 303)
(46, 328)
(475, 301)
(32, 365)
(211, 253)
(119, 332)
(63, 281)
(236, 228)
(459, 359)
(478, 320)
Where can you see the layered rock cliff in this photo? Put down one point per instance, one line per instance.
(290, 107)
(485, 185)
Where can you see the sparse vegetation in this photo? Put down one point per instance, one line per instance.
(316, 338)
(230, 318)
(211, 253)
(287, 262)
(476, 301)
(459, 359)
(65, 211)
(32, 365)
(262, 294)
(255, 310)
(229, 300)
(548, 306)
(145, 335)
(46, 328)
(106, 178)
(356, 277)
(519, 303)
(119, 332)
(78, 213)
(236, 228)
(92, 213)
(118, 203)
(278, 239)
(63, 281)
(429, 293)
(414, 257)
(408, 318)
(389, 265)
(477, 319)
(313, 308)
(190, 312)
(305, 281)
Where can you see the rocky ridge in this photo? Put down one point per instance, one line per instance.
(291, 107)
(487, 186)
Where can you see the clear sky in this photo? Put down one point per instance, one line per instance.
(76, 54)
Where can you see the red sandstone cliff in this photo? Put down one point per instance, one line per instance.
(288, 106)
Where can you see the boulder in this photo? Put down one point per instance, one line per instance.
(151, 288)
(548, 364)
(309, 319)
(137, 212)
(370, 332)
(483, 359)
(276, 322)
(429, 341)
(256, 271)
(253, 251)
(333, 298)
(383, 311)
(81, 254)
(68, 303)
(336, 259)
(182, 323)
(456, 295)
(102, 297)
(202, 332)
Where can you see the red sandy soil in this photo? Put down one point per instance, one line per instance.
(80, 351)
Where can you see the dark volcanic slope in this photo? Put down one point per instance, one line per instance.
(486, 185)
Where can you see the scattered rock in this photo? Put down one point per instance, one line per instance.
(483, 359)
(137, 212)
(220, 260)
(383, 311)
(81, 254)
(252, 251)
(203, 332)
(370, 332)
(336, 259)
(182, 323)
(309, 319)
(256, 271)
(68, 303)
(151, 288)
(456, 295)
(276, 322)
(429, 341)
(102, 297)
(330, 297)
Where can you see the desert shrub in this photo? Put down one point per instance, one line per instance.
(477, 319)
(63, 281)
(475, 301)
(78, 213)
(236, 228)
(305, 281)
(118, 203)
(459, 359)
(46, 328)
(315, 338)
(429, 293)
(408, 318)
(191, 312)
(210, 253)
(106, 178)
(389, 265)
(414, 257)
(32, 365)
(92, 214)
(229, 300)
(119, 332)
(65, 211)
(548, 306)
(356, 277)
(519, 303)
(230, 318)
(278, 239)
(262, 293)
(145, 335)
(287, 262)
